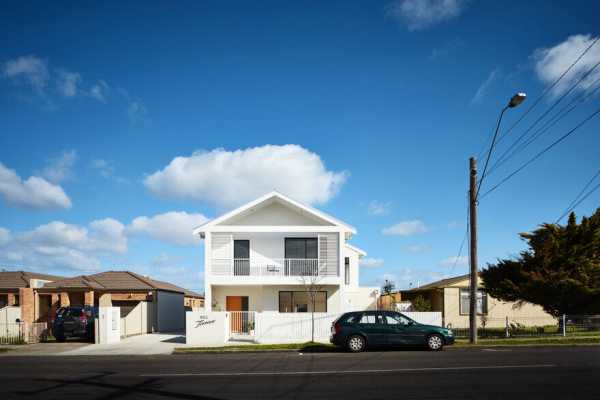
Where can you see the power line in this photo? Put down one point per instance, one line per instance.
(538, 155)
(462, 244)
(541, 96)
(563, 112)
(561, 98)
(493, 144)
(577, 200)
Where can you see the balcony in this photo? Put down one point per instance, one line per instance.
(278, 267)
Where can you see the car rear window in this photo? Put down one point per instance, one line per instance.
(349, 318)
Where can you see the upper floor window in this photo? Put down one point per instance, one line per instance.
(347, 270)
(301, 248)
(465, 297)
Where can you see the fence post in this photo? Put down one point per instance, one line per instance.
(564, 325)
(506, 331)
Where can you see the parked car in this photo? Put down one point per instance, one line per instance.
(74, 322)
(358, 330)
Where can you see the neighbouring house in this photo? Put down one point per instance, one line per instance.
(146, 304)
(273, 254)
(19, 298)
(451, 297)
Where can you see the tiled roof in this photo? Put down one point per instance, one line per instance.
(114, 281)
(20, 279)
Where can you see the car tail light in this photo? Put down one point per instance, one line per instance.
(337, 327)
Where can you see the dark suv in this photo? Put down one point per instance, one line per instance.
(357, 330)
(74, 322)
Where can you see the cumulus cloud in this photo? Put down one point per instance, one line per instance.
(406, 228)
(417, 248)
(451, 261)
(422, 14)
(370, 262)
(485, 86)
(61, 167)
(379, 208)
(27, 70)
(34, 192)
(58, 245)
(551, 62)
(229, 178)
(174, 227)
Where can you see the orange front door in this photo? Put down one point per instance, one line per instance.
(237, 303)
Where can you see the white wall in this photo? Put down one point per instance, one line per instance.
(206, 329)
(9, 314)
(275, 214)
(359, 298)
(109, 324)
(427, 318)
(138, 320)
(170, 315)
(354, 258)
(274, 327)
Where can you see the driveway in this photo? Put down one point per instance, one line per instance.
(154, 343)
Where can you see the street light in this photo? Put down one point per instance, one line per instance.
(515, 101)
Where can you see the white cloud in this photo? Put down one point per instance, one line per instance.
(99, 91)
(104, 167)
(172, 227)
(68, 83)
(5, 236)
(28, 70)
(229, 178)
(60, 168)
(454, 260)
(417, 248)
(137, 112)
(371, 262)
(406, 228)
(551, 62)
(167, 264)
(35, 192)
(379, 208)
(58, 245)
(485, 86)
(421, 14)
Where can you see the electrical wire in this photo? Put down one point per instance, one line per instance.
(578, 199)
(538, 155)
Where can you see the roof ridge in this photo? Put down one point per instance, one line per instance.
(91, 278)
(141, 278)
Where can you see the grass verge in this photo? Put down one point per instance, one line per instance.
(554, 341)
(302, 347)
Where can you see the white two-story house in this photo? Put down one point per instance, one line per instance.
(264, 255)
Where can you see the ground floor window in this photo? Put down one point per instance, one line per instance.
(300, 301)
(465, 300)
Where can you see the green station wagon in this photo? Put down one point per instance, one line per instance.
(358, 330)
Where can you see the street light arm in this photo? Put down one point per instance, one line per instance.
(487, 160)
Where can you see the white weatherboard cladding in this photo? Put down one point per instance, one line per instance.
(221, 251)
(275, 213)
(328, 253)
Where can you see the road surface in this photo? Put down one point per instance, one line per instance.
(494, 373)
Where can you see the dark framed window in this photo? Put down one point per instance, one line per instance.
(301, 248)
(465, 298)
(241, 257)
(347, 270)
(300, 301)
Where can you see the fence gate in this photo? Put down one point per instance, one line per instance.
(241, 324)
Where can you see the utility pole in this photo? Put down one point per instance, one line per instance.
(473, 255)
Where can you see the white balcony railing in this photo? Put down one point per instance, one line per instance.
(271, 267)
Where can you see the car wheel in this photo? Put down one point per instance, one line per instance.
(356, 343)
(435, 342)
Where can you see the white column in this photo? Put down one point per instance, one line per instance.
(207, 271)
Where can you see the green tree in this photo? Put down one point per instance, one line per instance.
(388, 287)
(560, 270)
(420, 303)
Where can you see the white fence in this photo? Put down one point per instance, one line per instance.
(9, 314)
(273, 327)
(22, 332)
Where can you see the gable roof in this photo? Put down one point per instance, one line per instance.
(115, 281)
(20, 279)
(274, 195)
(442, 283)
(360, 252)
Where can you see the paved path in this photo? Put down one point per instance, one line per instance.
(155, 343)
(507, 373)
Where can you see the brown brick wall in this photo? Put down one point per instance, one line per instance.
(26, 299)
(88, 298)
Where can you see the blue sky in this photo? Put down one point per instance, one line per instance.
(125, 125)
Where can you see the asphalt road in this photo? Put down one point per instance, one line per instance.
(500, 373)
